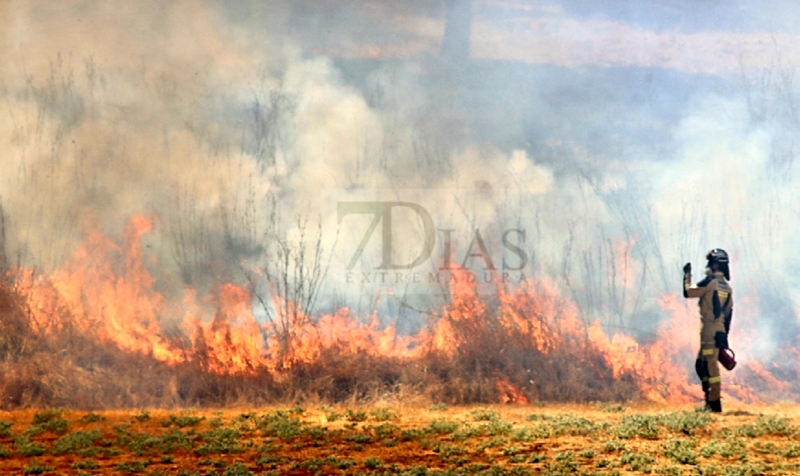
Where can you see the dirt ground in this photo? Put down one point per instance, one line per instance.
(492, 440)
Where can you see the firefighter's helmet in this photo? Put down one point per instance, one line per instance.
(720, 257)
(717, 255)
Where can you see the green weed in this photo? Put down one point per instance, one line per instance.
(73, 442)
(133, 466)
(686, 422)
(48, 420)
(565, 462)
(279, 424)
(588, 454)
(384, 430)
(383, 414)
(496, 427)
(485, 414)
(91, 418)
(36, 468)
(237, 469)
(767, 426)
(86, 464)
(182, 421)
(681, 450)
(356, 415)
(142, 416)
(638, 426)
(637, 461)
(442, 426)
(220, 441)
(271, 461)
(28, 448)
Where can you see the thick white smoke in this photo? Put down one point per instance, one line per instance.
(228, 125)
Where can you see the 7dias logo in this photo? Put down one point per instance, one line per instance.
(417, 236)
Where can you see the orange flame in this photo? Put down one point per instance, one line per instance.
(106, 291)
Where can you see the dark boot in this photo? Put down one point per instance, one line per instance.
(715, 406)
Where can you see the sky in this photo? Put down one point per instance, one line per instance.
(620, 138)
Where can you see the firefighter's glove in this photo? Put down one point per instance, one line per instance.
(721, 340)
(687, 275)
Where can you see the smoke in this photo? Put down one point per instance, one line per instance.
(620, 159)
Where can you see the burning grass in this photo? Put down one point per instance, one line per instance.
(101, 333)
(586, 439)
(120, 342)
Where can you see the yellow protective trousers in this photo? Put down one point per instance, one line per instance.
(708, 358)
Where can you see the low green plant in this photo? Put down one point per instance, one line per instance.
(496, 427)
(529, 433)
(676, 471)
(28, 448)
(91, 418)
(271, 461)
(182, 421)
(384, 430)
(637, 461)
(537, 458)
(791, 451)
(342, 463)
(511, 450)
(35, 468)
(588, 454)
(767, 426)
(46, 416)
(356, 415)
(133, 466)
(412, 434)
(72, 442)
(383, 414)
(681, 450)
(85, 464)
(237, 469)
(48, 420)
(441, 426)
(485, 414)
(565, 462)
(686, 422)
(638, 426)
(765, 447)
(220, 441)
(142, 416)
(360, 438)
(279, 424)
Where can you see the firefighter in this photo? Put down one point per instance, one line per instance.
(716, 311)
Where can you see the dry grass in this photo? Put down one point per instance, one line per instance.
(60, 367)
(404, 440)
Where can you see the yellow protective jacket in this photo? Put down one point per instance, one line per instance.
(715, 299)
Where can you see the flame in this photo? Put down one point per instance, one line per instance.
(509, 393)
(106, 291)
